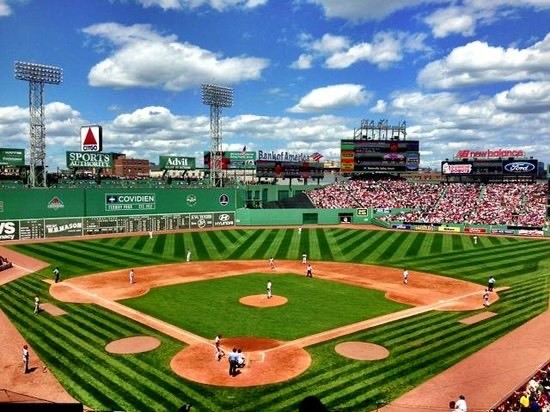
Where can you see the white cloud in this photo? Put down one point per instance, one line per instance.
(364, 10)
(532, 97)
(331, 97)
(177, 66)
(380, 107)
(219, 5)
(479, 63)
(451, 20)
(463, 18)
(385, 49)
(304, 62)
(5, 9)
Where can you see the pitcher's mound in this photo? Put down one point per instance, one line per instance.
(362, 351)
(135, 344)
(267, 361)
(262, 301)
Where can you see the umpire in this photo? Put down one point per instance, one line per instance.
(233, 361)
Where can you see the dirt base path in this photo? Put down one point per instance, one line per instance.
(22, 265)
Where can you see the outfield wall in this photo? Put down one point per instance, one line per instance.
(278, 217)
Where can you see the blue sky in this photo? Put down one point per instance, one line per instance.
(463, 74)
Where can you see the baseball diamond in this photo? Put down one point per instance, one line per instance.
(185, 304)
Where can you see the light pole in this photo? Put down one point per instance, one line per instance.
(37, 75)
(216, 97)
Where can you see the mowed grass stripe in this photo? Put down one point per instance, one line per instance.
(121, 242)
(393, 246)
(85, 253)
(324, 247)
(263, 250)
(360, 238)
(158, 247)
(241, 249)
(219, 245)
(379, 246)
(283, 248)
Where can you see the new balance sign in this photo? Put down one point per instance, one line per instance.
(91, 138)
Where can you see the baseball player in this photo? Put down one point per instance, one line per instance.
(300, 230)
(475, 239)
(56, 275)
(491, 284)
(132, 276)
(309, 271)
(405, 277)
(25, 359)
(486, 298)
(36, 304)
(304, 259)
(150, 234)
(272, 263)
(269, 287)
(189, 255)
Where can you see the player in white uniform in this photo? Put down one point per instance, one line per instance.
(269, 288)
(189, 255)
(304, 259)
(272, 263)
(132, 276)
(405, 277)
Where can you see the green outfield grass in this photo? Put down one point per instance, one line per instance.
(314, 305)
(420, 347)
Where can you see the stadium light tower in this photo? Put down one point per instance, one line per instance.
(37, 75)
(216, 97)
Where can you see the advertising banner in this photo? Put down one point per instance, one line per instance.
(234, 160)
(176, 163)
(224, 219)
(9, 230)
(448, 229)
(130, 201)
(475, 230)
(201, 220)
(63, 227)
(12, 157)
(89, 160)
(520, 167)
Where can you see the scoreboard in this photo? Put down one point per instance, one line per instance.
(281, 169)
(379, 155)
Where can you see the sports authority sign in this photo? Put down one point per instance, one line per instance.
(115, 202)
(91, 138)
(176, 163)
(88, 160)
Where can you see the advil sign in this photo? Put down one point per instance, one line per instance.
(91, 138)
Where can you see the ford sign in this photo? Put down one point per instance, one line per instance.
(519, 167)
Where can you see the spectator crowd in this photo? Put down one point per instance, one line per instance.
(514, 204)
(532, 396)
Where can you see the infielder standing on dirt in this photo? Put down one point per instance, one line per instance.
(309, 271)
(132, 276)
(25, 359)
(272, 263)
(405, 277)
(304, 258)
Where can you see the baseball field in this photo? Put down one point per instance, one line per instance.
(420, 346)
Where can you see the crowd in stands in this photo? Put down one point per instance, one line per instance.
(534, 395)
(516, 204)
(5, 263)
